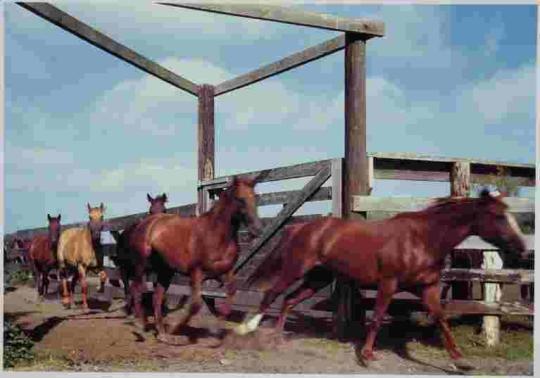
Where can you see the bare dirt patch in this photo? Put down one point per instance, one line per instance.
(105, 340)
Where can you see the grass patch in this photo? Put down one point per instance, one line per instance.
(516, 341)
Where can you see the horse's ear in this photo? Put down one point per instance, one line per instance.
(89, 207)
(149, 198)
(59, 217)
(48, 217)
(101, 207)
(251, 181)
(164, 196)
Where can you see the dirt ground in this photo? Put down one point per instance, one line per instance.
(103, 339)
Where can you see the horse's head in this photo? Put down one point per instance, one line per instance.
(95, 214)
(243, 194)
(497, 226)
(157, 205)
(54, 228)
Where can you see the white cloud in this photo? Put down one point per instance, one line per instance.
(507, 93)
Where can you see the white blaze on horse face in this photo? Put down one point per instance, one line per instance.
(249, 326)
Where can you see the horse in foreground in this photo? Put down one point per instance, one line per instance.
(42, 255)
(201, 247)
(404, 252)
(122, 259)
(77, 250)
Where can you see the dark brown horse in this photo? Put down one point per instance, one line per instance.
(122, 259)
(42, 255)
(404, 252)
(201, 247)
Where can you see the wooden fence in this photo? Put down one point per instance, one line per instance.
(382, 166)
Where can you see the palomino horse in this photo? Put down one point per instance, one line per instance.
(201, 247)
(77, 249)
(404, 252)
(42, 255)
(122, 259)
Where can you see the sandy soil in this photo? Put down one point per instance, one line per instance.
(103, 339)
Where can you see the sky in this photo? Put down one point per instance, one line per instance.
(83, 126)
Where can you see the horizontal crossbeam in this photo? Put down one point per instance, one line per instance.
(98, 39)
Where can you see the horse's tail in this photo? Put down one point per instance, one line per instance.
(271, 265)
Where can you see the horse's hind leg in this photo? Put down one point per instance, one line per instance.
(163, 281)
(136, 289)
(315, 280)
(288, 274)
(432, 301)
(385, 290)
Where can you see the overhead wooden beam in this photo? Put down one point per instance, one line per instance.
(289, 15)
(305, 56)
(98, 39)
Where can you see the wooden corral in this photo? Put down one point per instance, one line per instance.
(351, 177)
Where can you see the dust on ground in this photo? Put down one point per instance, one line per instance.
(104, 339)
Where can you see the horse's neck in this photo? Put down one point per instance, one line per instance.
(221, 217)
(451, 227)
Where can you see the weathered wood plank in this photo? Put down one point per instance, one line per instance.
(401, 204)
(403, 166)
(322, 194)
(289, 15)
(507, 276)
(205, 138)
(273, 174)
(98, 39)
(337, 185)
(111, 224)
(292, 205)
(292, 61)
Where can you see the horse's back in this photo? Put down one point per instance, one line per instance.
(139, 238)
(75, 247)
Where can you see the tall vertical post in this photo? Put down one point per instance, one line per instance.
(205, 137)
(356, 170)
(460, 185)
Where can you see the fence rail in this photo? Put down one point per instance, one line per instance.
(382, 166)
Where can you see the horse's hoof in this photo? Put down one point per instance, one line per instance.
(366, 356)
(462, 364)
(242, 329)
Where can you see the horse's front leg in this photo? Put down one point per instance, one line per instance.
(229, 281)
(385, 291)
(196, 300)
(432, 301)
(84, 285)
(66, 300)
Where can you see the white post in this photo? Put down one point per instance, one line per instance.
(492, 293)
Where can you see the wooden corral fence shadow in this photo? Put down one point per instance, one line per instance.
(382, 166)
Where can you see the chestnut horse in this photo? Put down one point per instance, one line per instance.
(122, 259)
(42, 255)
(77, 250)
(404, 252)
(201, 247)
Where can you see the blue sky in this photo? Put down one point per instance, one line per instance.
(82, 126)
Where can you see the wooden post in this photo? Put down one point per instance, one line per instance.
(492, 293)
(205, 136)
(460, 187)
(355, 172)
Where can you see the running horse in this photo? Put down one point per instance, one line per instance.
(122, 259)
(42, 255)
(77, 250)
(201, 247)
(405, 252)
